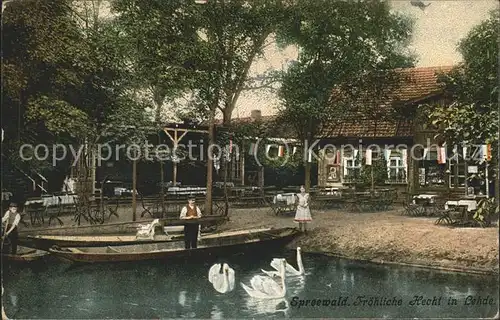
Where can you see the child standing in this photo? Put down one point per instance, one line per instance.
(303, 214)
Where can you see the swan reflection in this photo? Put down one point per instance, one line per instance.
(216, 313)
(295, 285)
(279, 307)
(182, 298)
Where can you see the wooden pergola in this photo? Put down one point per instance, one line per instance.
(177, 131)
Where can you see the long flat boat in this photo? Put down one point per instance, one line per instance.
(116, 228)
(217, 244)
(25, 255)
(45, 242)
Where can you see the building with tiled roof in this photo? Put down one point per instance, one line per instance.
(393, 123)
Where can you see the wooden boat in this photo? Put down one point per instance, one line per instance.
(217, 244)
(45, 242)
(25, 255)
(116, 228)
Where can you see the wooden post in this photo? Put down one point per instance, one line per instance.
(487, 181)
(176, 143)
(134, 189)
(242, 167)
(373, 180)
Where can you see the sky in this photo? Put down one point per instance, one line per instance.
(437, 31)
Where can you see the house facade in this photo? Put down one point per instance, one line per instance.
(414, 160)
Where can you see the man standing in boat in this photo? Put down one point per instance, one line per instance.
(191, 211)
(10, 220)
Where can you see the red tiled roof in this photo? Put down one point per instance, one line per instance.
(370, 129)
(420, 83)
(417, 84)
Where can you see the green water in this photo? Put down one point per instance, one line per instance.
(56, 290)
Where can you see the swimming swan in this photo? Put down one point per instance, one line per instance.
(222, 281)
(265, 287)
(289, 268)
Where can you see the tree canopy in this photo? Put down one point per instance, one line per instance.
(345, 48)
(473, 86)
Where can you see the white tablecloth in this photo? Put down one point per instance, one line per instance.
(471, 204)
(289, 198)
(430, 197)
(54, 200)
(333, 191)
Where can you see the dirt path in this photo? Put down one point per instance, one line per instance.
(387, 237)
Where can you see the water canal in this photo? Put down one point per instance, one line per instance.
(56, 290)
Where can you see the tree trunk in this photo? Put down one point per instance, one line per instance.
(497, 186)
(226, 123)
(211, 141)
(134, 188)
(307, 182)
(226, 196)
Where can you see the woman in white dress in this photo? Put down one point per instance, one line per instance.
(303, 214)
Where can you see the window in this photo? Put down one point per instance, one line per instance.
(396, 168)
(235, 167)
(431, 173)
(457, 167)
(352, 166)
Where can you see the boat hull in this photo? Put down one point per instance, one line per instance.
(116, 228)
(45, 243)
(226, 247)
(25, 255)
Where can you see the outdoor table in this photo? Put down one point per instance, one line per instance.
(470, 204)
(54, 200)
(426, 202)
(289, 198)
(429, 198)
(283, 203)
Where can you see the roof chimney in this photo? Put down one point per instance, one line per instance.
(255, 115)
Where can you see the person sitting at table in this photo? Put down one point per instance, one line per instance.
(191, 211)
(303, 214)
(10, 220)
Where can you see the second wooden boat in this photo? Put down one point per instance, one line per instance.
(217, 244)
(25, 255)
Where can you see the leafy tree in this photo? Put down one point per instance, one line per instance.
(348, 46)
(65, 80)
(473, 87)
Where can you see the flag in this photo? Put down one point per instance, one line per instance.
(368, 157)
(268, 146)
(387, 154)
(251, 150)
(441, 155)
(404, 155)
(464, 152)
(281, 151)
(309, 158)
(426, 151)
(337, 157)
(294, 150)
(355, 152)
(230, 145)
(486, 152)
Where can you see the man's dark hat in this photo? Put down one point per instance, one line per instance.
(191, 197)
(13, 204)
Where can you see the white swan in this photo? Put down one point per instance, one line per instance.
(265, 287)
(222, 282)
(289, 268)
